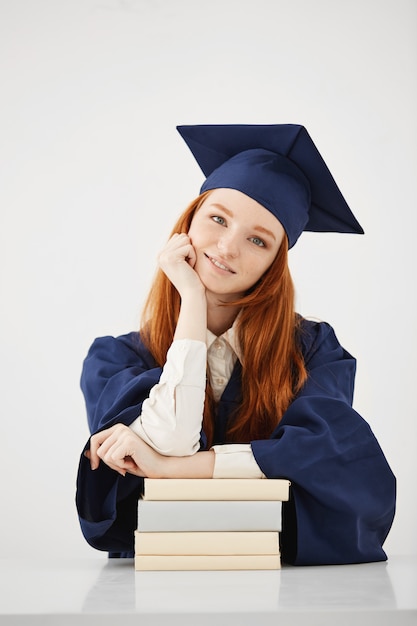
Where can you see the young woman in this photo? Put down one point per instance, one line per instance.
(224, 378)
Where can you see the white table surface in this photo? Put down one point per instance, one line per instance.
(100, 591)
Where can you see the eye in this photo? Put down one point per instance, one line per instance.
(257, 242)
(218, 220)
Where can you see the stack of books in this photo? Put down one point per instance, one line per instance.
(210, 524)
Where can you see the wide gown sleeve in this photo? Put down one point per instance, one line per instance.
(117, 377)
(343, 490)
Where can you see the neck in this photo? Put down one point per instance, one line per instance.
(219, 317)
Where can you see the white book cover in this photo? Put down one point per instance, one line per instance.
(211, 515)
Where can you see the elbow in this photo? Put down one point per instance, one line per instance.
(179, 446)
(168, 441)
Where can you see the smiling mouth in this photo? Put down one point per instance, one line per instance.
(220, 265)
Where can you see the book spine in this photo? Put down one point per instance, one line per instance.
(208, 562)
(206, 543)
(169, 516)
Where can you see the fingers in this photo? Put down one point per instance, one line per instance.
(177, 250)
(125, 452)
(92, 452)
(116, 447)
(191, 257)
(177, 260)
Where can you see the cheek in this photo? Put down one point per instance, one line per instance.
(195, 228)
(260, 260)
(200, 235)
(195, 239)
(258, 266)
(192, 235)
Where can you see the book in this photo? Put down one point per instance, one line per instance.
(208, 562)
(212, 515)
(206, 543)
(210, 524)
(216, 489)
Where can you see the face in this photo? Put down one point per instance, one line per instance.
(235, 239)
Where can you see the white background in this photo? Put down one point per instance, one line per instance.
(93, 175)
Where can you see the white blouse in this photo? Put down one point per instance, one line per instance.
(172, 416)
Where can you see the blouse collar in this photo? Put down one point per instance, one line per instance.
(230, 336)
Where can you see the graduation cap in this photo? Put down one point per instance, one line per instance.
(277, 165)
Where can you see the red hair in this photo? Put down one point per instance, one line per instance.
(273, 369)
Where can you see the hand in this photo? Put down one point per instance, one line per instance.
(123, 451)
(177, 260)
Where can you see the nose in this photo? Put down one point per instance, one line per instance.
(227, 245)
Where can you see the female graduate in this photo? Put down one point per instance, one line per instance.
(224, 378)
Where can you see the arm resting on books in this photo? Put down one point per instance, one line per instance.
(126, 452)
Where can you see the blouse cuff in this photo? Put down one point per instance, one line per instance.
(235, 461)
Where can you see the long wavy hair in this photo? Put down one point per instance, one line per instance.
(273, 369)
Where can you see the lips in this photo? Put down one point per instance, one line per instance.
(219, 264)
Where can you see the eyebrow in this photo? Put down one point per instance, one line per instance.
(265, 231)
(258, 228)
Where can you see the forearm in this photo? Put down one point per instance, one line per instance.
(124, 451)
(200, 465)
(224, 461)
(171, 418)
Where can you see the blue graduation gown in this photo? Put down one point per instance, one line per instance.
(342, 488)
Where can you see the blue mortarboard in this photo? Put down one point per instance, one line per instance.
(277, 165)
